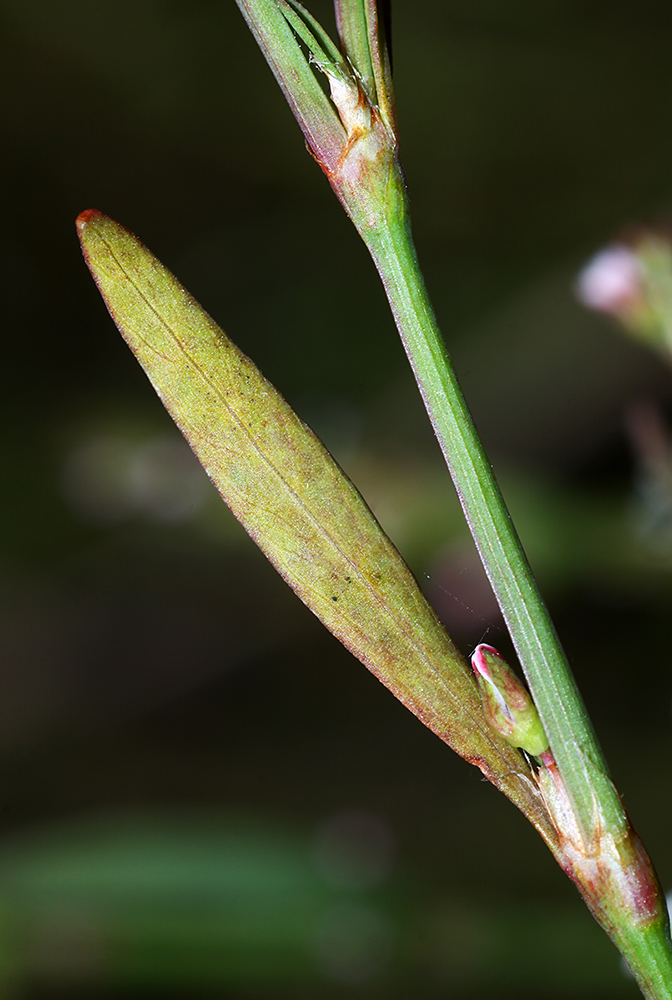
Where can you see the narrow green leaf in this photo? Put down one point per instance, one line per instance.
(352, 29)
(362, 29)
(297, 505)
(382, 65)
(323, 52)
(311, 107)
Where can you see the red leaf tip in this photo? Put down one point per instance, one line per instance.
(88, 215)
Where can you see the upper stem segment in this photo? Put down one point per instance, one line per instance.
(361, 161)
(532, 632)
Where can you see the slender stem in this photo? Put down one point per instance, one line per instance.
(599, 850)
(541, 656)
(648, 955)
(578, 756)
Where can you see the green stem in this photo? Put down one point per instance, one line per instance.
(358, 152)
(595, 801)
(541, 656)
(649, 956)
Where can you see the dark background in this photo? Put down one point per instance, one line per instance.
(197, 784)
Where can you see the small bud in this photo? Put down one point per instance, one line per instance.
(633, 282)
(611, 281)
(506, 702)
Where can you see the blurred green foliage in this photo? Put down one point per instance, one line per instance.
(150, 659)
(216, 902)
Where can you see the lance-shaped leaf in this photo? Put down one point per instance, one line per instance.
(297, 504)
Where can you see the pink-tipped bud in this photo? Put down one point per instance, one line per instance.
(506, 702)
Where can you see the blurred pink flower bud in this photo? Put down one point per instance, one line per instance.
(611, 280)
(633, 282)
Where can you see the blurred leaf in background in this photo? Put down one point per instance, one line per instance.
(149, 658)
(158, 901)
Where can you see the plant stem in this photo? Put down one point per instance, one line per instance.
(649, 956)
(597, 847)
(596, 804)
(541, 656)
